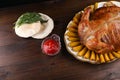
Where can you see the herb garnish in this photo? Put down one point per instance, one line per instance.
(29, 18)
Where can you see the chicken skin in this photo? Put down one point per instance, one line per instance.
(100, 30)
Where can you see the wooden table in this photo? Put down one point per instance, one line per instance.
(22, 59)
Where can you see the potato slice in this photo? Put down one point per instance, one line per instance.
(117, 55)
(82, 52)
(111, 56)
(72, 29)
(71, 34)
(77, 48)
(102, 59)
(92, 57)
(106, 57)
(73, 39)
(73, 44)
(87, 55)
(97, 58)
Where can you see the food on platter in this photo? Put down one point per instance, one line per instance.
(102, 32)
(35, 25)
(51, 45)
(93, 34)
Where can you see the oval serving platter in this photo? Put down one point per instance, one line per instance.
(78, 50)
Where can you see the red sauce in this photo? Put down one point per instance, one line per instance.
(51, 45)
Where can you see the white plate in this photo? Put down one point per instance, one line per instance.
(46, 27)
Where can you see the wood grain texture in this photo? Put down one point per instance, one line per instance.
(22, 59)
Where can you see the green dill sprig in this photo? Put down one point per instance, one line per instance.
(29, 18)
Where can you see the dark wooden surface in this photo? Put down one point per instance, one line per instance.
(8, 3)
(22, 59)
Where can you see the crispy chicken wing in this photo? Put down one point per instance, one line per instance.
(100, 31)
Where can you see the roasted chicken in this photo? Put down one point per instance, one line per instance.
(100, 30)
